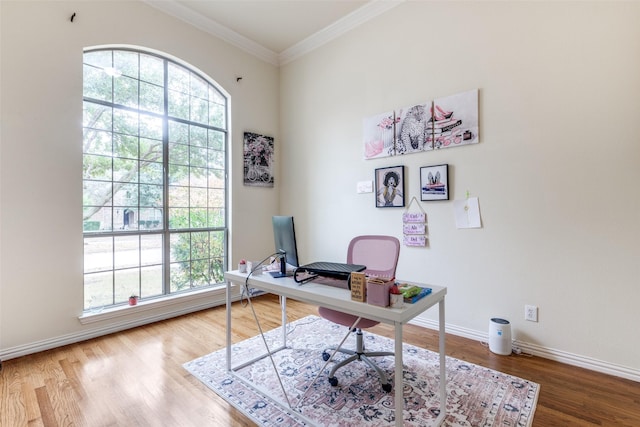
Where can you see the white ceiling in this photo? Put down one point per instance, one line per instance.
(277, 31)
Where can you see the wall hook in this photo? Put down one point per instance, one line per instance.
(73, 16)
(238, 79)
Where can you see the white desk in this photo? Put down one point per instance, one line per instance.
(340, 299)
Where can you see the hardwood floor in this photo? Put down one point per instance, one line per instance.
(135, 377)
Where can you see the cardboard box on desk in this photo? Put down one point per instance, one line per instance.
(358, 287)
(378, 291)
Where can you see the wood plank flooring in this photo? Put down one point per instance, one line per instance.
(135, 377)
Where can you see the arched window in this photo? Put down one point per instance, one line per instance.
(154, 177)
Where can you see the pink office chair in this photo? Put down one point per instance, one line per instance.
(380, 255)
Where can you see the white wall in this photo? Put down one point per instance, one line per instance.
(556, 170)
(41, 284)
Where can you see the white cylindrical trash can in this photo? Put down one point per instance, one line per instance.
(500, 336)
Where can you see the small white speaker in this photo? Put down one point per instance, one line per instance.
(500, 336)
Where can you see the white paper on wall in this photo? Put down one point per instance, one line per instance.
(467, 213)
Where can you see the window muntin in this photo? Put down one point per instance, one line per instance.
(154, 177)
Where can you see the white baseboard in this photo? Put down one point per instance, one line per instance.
(146, 316)
(537, 350)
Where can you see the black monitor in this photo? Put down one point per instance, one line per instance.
(284, 235)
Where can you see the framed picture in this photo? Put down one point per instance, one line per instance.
(390, 187)
(434, 182)
(258, 160)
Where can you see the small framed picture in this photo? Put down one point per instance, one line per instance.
(434, 182)
(390, 187)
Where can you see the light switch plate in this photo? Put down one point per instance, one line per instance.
(364, 187)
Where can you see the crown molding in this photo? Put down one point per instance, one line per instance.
(175, 9)
(338, 28)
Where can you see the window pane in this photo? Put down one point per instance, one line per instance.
(97, 84)
(198, 136)
(126, 63)
(216, 198)
(199, 87)
(151, 127)
(125, 170)
(217, 115)
(178, 196)
(178, 105)
(96, 116)
(179, 154)
(126, 283)
(98, 254)
(198, 197)
(99, 58)
(96, 193)
(198, 156)
(178, 132)
(197, 218)
(178, 218)
(98, 142)
(151, 281)
(125, 218)
(215, 159)
(216, 178)
(198, 177)
(125, 91)
(178, 174)
(180, 247)
(178, 78)
(150, 195)
(216, 217)
(97, 167)
(97, 218)
(125, 146)
(199, 245)
(151, 249)
(151, 97)
(150, 219)
(127, 251)
(151, 173)
(126, 195)
(216, 140)
(125, 122)
(152, 69)
(180, 276)
(98, 290)
(199, 110)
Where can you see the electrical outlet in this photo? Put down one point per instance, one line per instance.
(531, 313)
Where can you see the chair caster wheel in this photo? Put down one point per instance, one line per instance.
(333, 381)
(325, 356)
(387, 387)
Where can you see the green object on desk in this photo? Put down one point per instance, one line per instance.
(409, 291)
(421, 294)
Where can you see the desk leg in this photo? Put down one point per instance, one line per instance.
(228, 296)
(283, 308)
(397, 383)
(443, 363)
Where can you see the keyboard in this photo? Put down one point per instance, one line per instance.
(328, 269)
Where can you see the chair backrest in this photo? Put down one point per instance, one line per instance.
(379, 253)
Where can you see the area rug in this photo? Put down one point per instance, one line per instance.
(476, 396)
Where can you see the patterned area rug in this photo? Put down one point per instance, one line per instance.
(476, 396)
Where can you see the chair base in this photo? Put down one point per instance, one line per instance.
(358, 354)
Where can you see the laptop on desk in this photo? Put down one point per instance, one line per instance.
(334, 270)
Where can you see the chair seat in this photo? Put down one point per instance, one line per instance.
(345, 319)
